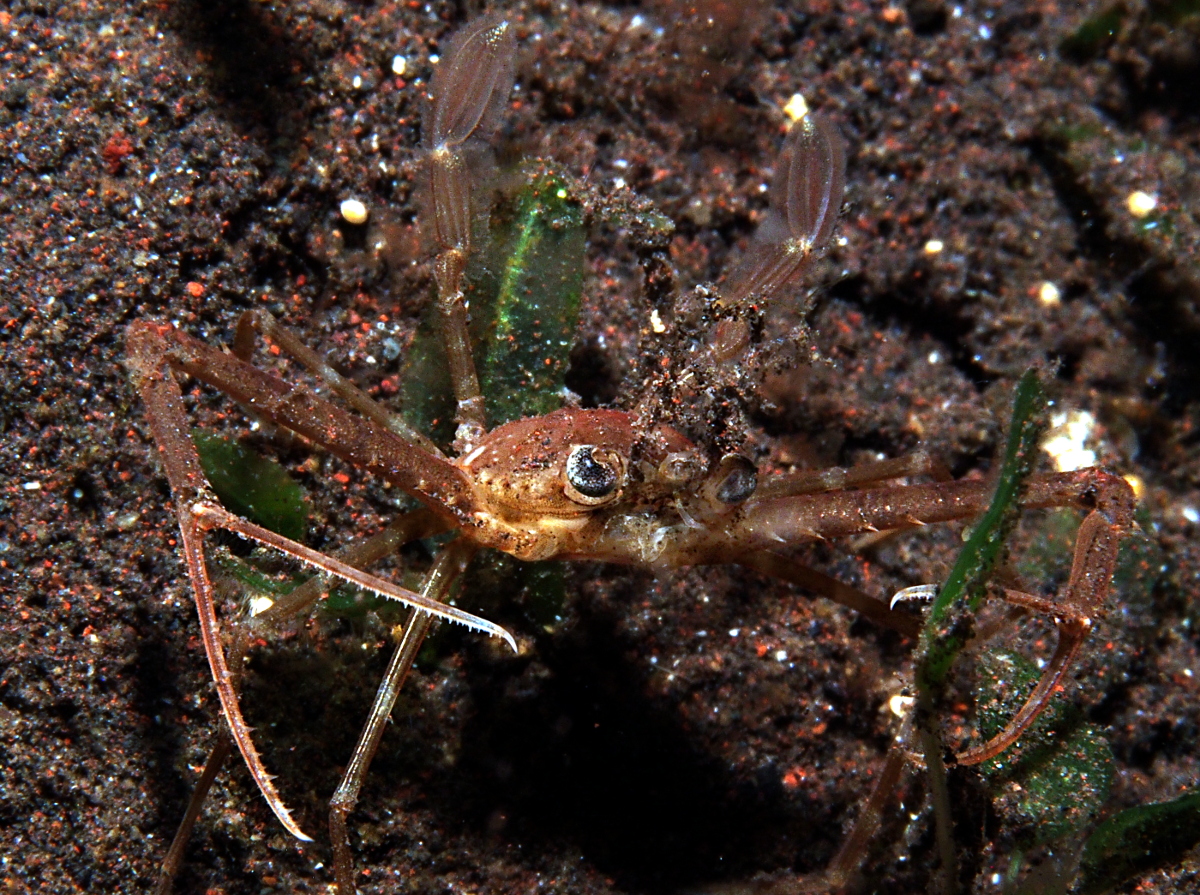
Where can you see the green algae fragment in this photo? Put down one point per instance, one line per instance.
(949, 624)
(352, 602)
(527, 350)
(1095, 33)
(425, 391)
(1050, 551)
(536, 309)
(251, 579)
(1062, 767)
(1137, 841)
(251, 485)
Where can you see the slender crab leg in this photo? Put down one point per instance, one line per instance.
(837, 514)
(1107, 497)
(209, 514)
(806, 195)
(469, 90)
(1086, 592)
(450, 563)
(270, 328)
(221, 749)
(151, 354)
(168, 422)
(811, 481)
(786, 569)
(410, 526)
(152, 346)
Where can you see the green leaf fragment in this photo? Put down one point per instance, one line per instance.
(1137, 841)
(537, 307)
(252, 581)
(351, 602)
(1095, 33)
(251, 485)
(1054, 781)
(425, 396)
(948, 628)
(538, 589)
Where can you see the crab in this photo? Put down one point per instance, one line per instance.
(614, 485)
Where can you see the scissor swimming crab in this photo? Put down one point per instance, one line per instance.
(598, 484)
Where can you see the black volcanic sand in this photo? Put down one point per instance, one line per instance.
(187, 161)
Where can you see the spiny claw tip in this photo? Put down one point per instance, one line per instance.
(290, 825)
(917, 592)
(509, 639)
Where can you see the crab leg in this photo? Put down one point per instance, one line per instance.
(150, 356)
(270, 328)
(1108, 498)
(449, 564)
(210, 514)
(152, 346)
(810, 481)
(1086, 592)
(814, 481)
(805, 197)
(168, 422)
(221, 748)
(836, 514)
(786, 569)
(410, 526)
(850, 854)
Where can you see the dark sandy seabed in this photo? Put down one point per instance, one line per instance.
(186, 160)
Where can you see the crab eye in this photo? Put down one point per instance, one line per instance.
(593, 475)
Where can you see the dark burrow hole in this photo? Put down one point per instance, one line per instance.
(591, 376)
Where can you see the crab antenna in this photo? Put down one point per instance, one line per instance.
(806, 193)
(472, 84)
(469, 90)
